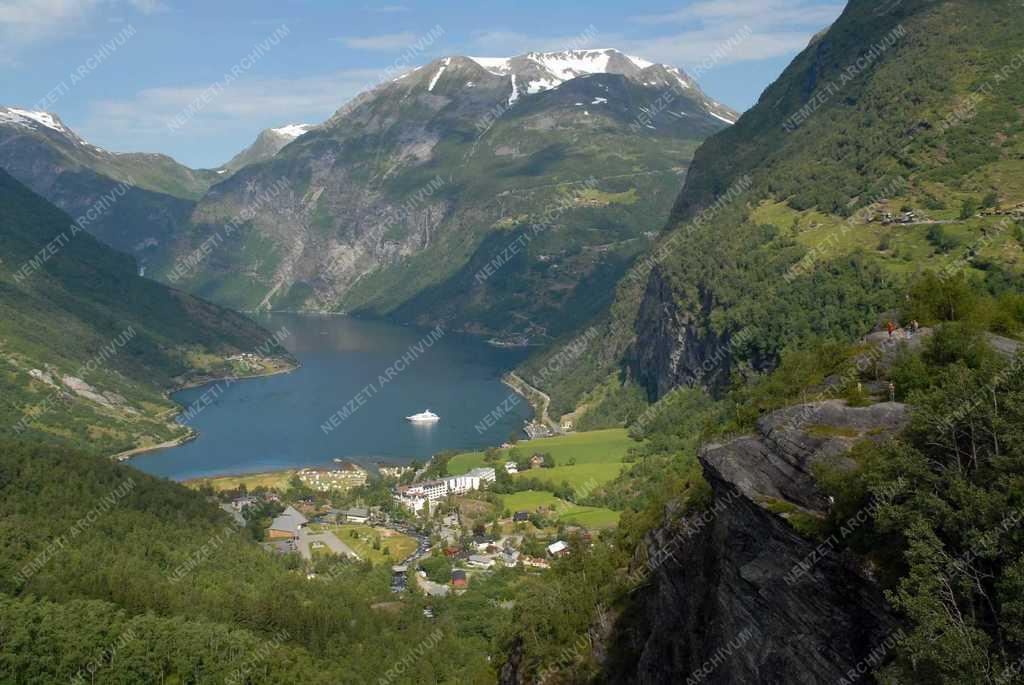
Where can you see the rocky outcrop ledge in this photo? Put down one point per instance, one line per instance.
(722, 599)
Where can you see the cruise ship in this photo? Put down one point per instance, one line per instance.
(425, 417)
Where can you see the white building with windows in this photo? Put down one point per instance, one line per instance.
(416, 495)
(486, 475)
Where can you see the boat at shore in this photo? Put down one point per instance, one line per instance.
(424, 417)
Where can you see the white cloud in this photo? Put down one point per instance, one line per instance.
(149, 6)
(777, 28)
(738, 12)
(242, 108)
(42, 12)
(386, 41)
(25, 22)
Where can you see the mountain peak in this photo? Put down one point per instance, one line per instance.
(567, 64)
(31, 119)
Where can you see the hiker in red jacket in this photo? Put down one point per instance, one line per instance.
(891, 327)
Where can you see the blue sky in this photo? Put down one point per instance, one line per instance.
(162, 54)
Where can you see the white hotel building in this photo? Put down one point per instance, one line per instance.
(415, 496)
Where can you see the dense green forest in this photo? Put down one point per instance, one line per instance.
(72, 308)
(93, 551)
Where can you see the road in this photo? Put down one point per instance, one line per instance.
(525, 389)
(431, 588)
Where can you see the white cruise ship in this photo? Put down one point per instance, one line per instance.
(426, 417)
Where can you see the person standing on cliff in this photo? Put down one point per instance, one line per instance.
(891, 327)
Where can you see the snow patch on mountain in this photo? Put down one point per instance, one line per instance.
(537, 72)
(23, 117)
(293, 130)
(499, 66)
(728, 121)
(433, 81)
(515, 91)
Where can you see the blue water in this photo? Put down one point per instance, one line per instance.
(275, 422)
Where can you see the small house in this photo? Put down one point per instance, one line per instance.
(511, 468)
(558, 549)
(537, 461)
(287, 525)
(356, 515)
(480, 562)
(459, 578)
(521, 516)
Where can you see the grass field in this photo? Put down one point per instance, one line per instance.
(595, 447)
(277, 480)
(598, 458)
(589, 517)
(529, 500)
(400, 546)
(583, 478)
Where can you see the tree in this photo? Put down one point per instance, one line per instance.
(968, 209)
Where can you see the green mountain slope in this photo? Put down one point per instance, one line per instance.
(890, 146)
(134, 202)
(86, 345)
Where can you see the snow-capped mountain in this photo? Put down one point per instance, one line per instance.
(267, 144)
(145, 197)
(537, 72)
(394, 203)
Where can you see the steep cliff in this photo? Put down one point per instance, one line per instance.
(733, 593)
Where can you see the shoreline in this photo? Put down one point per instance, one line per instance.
(254, 474)
(136, 451)
(192, 434)
(524, 390)
(208, 380)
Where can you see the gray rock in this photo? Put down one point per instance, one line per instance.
(731, 604)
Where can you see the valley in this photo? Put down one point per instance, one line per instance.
(541, 369)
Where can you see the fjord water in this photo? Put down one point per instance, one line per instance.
(273, 423)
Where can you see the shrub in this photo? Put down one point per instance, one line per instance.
(942, 241)
(968, 209)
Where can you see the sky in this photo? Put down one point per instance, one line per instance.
(198, 79)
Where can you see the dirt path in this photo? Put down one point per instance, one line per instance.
(124, 456)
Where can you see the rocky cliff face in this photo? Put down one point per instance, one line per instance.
(674, 343)
(671, 350)
(735, 594)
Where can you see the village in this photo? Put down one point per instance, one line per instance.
(435, 534)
